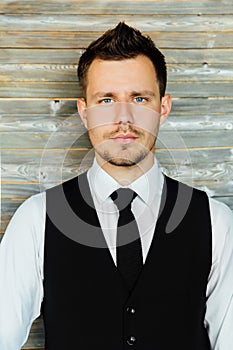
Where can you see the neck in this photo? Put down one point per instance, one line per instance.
(125, 175)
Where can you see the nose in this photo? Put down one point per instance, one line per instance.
(124, 113)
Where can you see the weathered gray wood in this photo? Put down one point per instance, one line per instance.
(186, 170)
(62, 107)
(166, 139)
(54, 166)
(71, 56)
(73, 157)
(200, 139)
(68, 73)
(146, 23)
(117, 7)
(77, 40)
(43, 166)
(20, 192)
(34, 140)
(66, 90)
(49, 56)
(39, 107)
(46, 123)
(69, 123)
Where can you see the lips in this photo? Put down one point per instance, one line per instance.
(124, 138)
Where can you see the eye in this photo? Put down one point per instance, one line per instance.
(140, 99)
(106, 100)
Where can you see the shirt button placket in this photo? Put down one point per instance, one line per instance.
(131, 340)
(131, 310)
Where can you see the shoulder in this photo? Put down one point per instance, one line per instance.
(26, 227)
(221, 214)
(33, 206)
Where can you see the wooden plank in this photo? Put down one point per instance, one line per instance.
(166, 139)
(53, 166)
(36, 140)
(190, 139)
(19, 193)
(39, 123)
(67, 90)
(48, 123)
(45, 174)
(146, 23)
(199, 123)
(71, 56)
(38, 107)
(80, 40)
(38, 72)
(213, 105)
(41, 56)
(43, 166)
(68, 73)
(62, 107)
(117, 7)
(73, 157)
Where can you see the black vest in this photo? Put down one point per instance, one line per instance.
(86, 304)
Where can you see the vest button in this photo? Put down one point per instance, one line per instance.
(131, 340)
(131, 310)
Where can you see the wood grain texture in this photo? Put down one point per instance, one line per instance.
(74, 40)
(63, 107)
(72, 90)
(68, 73)
(67, 124)
(146, 23)
(116, 7)
(71, 56)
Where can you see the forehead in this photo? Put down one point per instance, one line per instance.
(129, 74)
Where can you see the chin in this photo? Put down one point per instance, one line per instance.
(124, 160)
(121, 162)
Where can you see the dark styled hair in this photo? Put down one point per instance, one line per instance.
(119, 43)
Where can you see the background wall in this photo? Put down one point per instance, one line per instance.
(43, 142)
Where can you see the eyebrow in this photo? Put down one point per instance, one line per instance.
(132, 93)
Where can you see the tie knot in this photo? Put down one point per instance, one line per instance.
(123, 197)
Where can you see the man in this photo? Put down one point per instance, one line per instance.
(122, 256)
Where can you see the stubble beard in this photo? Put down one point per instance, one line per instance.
(128, 155)
(125, 161)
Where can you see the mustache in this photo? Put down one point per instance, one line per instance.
(125, 130)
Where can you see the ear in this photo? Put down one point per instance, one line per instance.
(82, 110)
(166, 106)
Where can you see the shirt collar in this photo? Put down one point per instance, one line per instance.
(147, 186)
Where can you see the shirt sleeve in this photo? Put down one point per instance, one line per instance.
(219, 313)
(21, 273)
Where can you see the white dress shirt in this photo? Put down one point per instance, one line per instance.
(22, 251)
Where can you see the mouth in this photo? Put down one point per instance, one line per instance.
(124, 138)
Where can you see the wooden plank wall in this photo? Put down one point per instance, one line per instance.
(43, 142)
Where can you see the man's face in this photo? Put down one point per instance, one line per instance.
(123, 109)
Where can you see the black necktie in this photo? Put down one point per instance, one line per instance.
(129, 249)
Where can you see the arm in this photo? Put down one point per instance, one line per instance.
(21, 261)
(219, 314)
